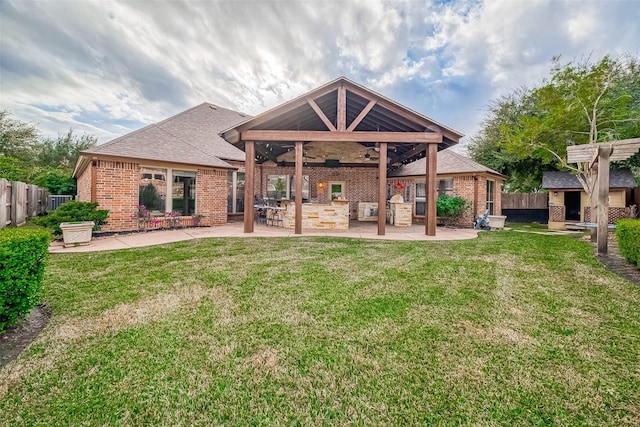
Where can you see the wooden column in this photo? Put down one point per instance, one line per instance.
(603, 199)
(94, 180)
(382, 189)
(298, 185)
(431, 174)
(249, 179)
(593, 201)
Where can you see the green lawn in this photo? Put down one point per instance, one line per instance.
(507, 329)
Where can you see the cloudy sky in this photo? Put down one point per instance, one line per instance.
(110, 67)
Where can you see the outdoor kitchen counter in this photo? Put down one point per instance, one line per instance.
(334, 216)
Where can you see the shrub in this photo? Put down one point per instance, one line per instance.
(628, 236)
(451, 208)
(56, 182)
(73, 211)
(23, 254)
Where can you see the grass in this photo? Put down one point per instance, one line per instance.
(507, 329)
(528, 226)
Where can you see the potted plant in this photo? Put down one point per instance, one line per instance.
(75, 221)
(497, 221)
(76, 233)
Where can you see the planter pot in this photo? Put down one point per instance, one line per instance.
(497, 221)
(76, 233)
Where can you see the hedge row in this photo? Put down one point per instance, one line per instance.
(23, 255)
(628, 237)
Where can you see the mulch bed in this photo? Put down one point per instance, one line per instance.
(19, 336)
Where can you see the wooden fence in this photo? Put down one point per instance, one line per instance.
(525, 200)
(20, 201)
(526, 207)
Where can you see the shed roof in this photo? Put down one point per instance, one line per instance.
(190, 137)
(618, 178)
(449, 162)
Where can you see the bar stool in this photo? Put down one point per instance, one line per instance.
(276, 219)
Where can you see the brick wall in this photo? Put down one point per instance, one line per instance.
(463, 186)
(84, 185)
(211, 196)
(117, 191)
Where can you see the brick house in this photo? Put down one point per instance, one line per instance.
(569, 203)
(329, 141)
(179, 164)
(457, 176)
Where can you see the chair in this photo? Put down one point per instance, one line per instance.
(274, 214)
(260, 210)
(276, 218)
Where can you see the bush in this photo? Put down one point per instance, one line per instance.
(56, 182)
(23, 254)
(73, 211)
(628, 237)
(451, 208)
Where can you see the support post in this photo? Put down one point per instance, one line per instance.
(603, 199)
(593, 200)
(298, 185)
(249, 178)
(382, 188)
(431, 195)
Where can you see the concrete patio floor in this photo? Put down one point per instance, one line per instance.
(235, 229)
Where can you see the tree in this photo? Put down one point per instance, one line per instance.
(13, 169)
(488, 146)
(63, 151)
(56, 181)
(17, 138)
(47, 162)
(582, 103)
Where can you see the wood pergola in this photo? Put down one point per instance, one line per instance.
(597, 158)
(345, 112)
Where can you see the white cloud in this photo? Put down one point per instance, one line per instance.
(109, 66)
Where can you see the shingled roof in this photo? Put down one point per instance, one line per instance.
(618, 178)
(190, 137)
(449, 162)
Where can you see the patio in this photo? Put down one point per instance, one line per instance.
(360, 230)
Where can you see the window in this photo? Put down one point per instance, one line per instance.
(445, 186)
(281, 187)
(305, 187)
(183, 192)
(235, 192)
(153, 189)
(490, 196)
(421, 198)
(337, 190)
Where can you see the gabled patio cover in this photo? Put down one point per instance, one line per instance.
(343, 111)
